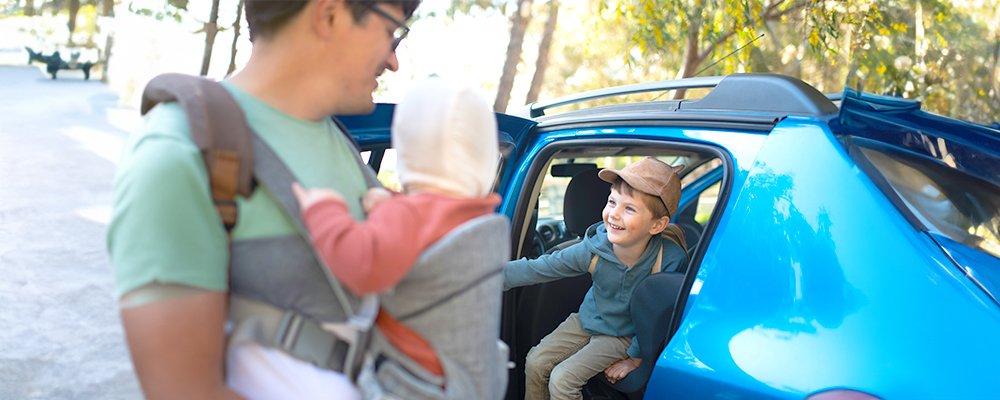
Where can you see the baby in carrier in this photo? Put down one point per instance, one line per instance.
(445, 136)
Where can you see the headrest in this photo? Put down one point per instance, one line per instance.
(584, 202)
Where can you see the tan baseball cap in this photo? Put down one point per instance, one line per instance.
(653, 177)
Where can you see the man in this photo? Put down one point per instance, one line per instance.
(311, 59)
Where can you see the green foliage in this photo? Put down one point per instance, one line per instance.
(943, 54)
(172, 9)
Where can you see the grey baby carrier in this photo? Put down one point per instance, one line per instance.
(283, 297)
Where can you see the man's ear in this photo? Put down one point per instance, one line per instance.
(659, 225)
(324, 14)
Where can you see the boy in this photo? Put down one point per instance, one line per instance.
(445, 136)
(618, 252)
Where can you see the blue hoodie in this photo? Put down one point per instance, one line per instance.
(605, 308)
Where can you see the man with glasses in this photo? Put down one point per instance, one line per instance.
(311, 59)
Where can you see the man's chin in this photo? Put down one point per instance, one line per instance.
(359, 108)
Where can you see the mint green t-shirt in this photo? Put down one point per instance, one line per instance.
(164, 227)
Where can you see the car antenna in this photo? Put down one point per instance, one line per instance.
(717, 61)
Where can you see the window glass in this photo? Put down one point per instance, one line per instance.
(389, 176)
(550, 198)
(946, 201)
(706, 203)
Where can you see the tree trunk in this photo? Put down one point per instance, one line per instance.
(74, 9)
(542, 63)
(29, 8)
(519, 24)
(211, 28)
(236, 36)
(691, 60)
(106, 57)
(107, 8)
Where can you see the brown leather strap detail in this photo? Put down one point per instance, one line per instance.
(593, 264)
(218, 128)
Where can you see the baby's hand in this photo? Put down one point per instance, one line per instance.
(373, 197)
(620, 369)
(309, 197)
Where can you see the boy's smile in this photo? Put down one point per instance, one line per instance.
(629, 222)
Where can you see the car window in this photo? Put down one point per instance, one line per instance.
(389, 176)
(706, 203)
(550, 198)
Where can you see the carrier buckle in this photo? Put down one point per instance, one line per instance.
(305, 339)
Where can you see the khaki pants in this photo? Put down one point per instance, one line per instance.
(567, 358)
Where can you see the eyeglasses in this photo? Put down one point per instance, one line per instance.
(401, 29)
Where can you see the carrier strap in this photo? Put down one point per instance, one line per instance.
(219, 130)
(656, 267)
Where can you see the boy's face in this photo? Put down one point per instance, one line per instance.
(628, 221)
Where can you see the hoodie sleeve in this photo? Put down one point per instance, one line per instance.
(633, 349)
(571, 261)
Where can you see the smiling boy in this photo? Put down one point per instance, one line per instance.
(631, 242)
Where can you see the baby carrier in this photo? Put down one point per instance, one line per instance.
(282, 296)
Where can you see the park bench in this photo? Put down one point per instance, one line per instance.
(54, 62)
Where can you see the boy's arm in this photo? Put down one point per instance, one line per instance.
(370, 256)
(571, 261)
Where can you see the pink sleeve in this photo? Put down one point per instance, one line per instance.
(370, 256)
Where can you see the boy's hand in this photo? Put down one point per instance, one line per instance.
(309, 197)
(620, 369)
(373, 197)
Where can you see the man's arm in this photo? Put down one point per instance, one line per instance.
(178, 347)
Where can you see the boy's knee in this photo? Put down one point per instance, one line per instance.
(565, 383)
(533, 363)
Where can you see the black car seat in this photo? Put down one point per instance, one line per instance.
(542, 307)
(652, 308)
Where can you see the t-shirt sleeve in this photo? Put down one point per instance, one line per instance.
(164, 226)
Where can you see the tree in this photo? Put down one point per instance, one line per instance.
(942, 53)
(542, 62)
(236, 36)
(74, 9)
(518, 25)
(211, 29)
(712, 28)
(29, 8)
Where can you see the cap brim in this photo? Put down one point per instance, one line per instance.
(608, 175)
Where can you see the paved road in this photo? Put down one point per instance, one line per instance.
(60, 334)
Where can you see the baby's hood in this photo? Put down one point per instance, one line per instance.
(445, 136)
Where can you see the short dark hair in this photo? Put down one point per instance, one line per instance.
(653, 203)
(267, 17)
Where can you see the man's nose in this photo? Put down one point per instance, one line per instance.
(392, 63)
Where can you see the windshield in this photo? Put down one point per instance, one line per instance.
(941, 53)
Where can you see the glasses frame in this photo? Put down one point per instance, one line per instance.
(399, 24)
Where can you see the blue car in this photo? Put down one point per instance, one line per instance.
(841, 246)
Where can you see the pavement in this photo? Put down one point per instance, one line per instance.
(60, 332)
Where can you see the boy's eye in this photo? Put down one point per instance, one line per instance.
(630, 209)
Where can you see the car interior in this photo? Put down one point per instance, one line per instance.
(566, 199)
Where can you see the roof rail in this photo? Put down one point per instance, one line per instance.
(761, 93)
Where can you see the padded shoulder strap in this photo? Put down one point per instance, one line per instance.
(218, 128)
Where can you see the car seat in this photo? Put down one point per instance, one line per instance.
(652, 308)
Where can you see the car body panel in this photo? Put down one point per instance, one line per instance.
(801, 294)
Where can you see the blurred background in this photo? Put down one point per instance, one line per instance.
(60, 336)
(943, 53)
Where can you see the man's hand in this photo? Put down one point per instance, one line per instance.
(620, 369)
(373, 197)
(309, 197)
